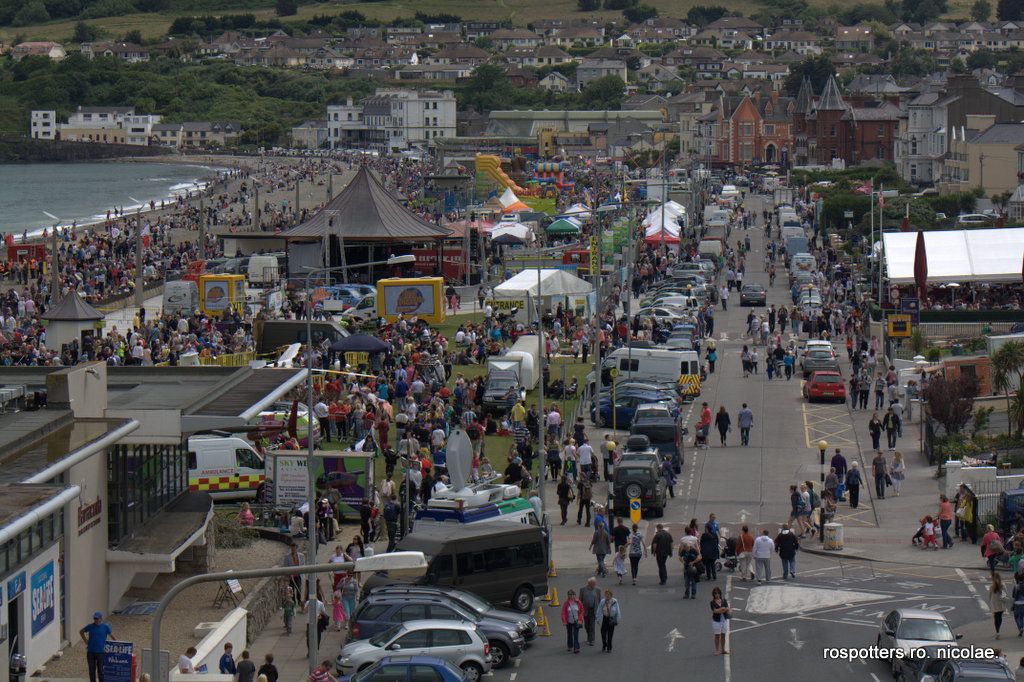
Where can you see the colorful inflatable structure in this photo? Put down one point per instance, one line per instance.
(488, 169)
(551, 172)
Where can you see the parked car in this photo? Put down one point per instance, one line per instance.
(382, 610)
(457, 643)
(753, 294)
(825, 385)
(643, 480)
(818, 361)
(364, 309)
(625, 408)
(932, 667)
(501, 384)
(394, 668)
(526, 623)
(913, 628)
(663, 433)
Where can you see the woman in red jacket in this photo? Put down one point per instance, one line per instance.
(572, 619)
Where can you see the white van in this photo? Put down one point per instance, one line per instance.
(654, 364)
(227, 468)
(180, 295)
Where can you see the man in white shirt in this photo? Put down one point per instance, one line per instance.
(585, 454)
(185, 665)
(764, 547)
(554, 422)
(321, 412)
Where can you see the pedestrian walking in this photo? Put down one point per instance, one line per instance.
(268, 670)
(709, 552)
(997, 601)
(764, 547)
(608, 616)
(600, 545)
(853, 482)
(745, 420)
(745, 553)
(95, 636)
(992, 548)
(391, 513)
(661, 548)
(1018, 606)
(880, 471)
(288, 605)
(723, 423)
(637, 551)
(786, 545)
(584, 497)
(945, 520)
(590, 597)
(572, 619)
(875, 429)
(839, 464)
(719, 620)
(620, 535)
(565, 496)
(322, 673)
(898, 472)
(689, 557)
(619, 563)
(246, 668)
(891, 425)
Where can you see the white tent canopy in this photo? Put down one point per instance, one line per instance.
(670, 228)
(992, 255)
(578, 211)
(517, 230)
(552, 283)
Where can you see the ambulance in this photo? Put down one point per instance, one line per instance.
(228, 468)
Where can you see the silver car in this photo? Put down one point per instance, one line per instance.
(458, 643)
(818, 361)
(908, 629)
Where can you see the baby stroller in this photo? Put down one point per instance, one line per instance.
(728, 557)
(700, 439)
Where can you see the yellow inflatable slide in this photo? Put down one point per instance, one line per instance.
(489, 166)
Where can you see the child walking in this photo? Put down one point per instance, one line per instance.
(928, 535)
(620, 563)
(337, 610)
(288, 606)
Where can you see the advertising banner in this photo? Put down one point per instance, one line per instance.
(43, 598)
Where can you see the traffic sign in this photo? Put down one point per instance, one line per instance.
(634, 509)
(613, 372)
(900, 326)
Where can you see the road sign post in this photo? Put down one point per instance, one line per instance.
(634, 509)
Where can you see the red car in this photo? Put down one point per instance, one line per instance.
(825, 386)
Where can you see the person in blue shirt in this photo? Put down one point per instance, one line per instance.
(227, 661)
(95, 636)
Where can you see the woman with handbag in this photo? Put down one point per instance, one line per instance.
(719, 620)
(608, 616)
(572, 619)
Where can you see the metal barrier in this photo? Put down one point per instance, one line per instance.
(229, 359)
(962, 330)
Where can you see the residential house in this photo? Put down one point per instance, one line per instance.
(688, 108)
(742, 24)
(706, 61)
(55, 51)
(329, 59)
(556, 82)
(855, 134)
(434, 72)
(921, 147)
(521, 78)
(438, 40)
(167, 134)
(139, 128)
(127, 52)
(859, 38)
(988, 158)
(310, 135)
(43, 125)
(460, 53)
(590, 70)
(659, 78)
(550, 55)
(480, 29)
(209, 134)
(801, 42)
(518, 37)
(753, 129)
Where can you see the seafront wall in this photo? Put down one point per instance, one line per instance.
(15, 149)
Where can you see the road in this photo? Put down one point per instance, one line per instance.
(832, 603)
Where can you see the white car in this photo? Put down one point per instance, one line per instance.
(973, 219)
(457, 642)
(364, 309)
(908, 629)
(662, 313)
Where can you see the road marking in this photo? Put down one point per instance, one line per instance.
(795, 641)
(777, 599)
(874, 676)
(672, 636)
(972, 590)
(512, 677)
(726, 662)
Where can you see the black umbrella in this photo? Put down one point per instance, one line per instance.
(359, 343)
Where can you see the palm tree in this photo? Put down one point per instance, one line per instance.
(1015, 411)
(1007, 365)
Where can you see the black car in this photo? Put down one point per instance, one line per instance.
(501, 391)
(643, 480)
(753, 294)
(662, 433)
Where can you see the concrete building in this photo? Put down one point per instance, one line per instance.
(140, 128)
(988, 158)
(43, 125)
(529, 123)
(392, 120)
(310, 135)
(590, 70)
(921, 147)
(95, 497)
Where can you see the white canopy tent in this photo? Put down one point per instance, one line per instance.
(577, 211)
(517, 230)
(554, 285)
(990, 255)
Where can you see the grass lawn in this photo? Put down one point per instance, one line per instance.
(541, 204)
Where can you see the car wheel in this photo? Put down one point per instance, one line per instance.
(658, 512)
(473, 671)
(522, 600)
(500, 654)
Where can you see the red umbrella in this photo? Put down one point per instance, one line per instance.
(921, 268)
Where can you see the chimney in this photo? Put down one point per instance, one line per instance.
(757, 97)
(775, 97)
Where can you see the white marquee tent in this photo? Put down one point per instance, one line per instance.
(520, 291)
(991, 255)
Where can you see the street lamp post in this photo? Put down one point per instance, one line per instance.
(822, 446)
(311, 494)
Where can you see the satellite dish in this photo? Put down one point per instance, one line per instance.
(459, 458)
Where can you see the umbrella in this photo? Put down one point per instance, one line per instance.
(359, 343)
(921, 268)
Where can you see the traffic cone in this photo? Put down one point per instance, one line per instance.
(542, 622)
(552, 573)
(554, 597)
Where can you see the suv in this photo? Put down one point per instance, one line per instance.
(382, 610)
(458, 643)
(500, 384)
(641, 479)
(662, 432)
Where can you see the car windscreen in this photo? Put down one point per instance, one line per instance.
(383, 638)
(500, 384)
(819, 355)
(925, 629)
(828, 379)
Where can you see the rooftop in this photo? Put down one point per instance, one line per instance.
(18, 500)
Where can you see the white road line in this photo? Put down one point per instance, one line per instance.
(875, 677)
(725, 659)
(972, 590)
(512, 677)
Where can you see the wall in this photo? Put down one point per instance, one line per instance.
(209, 650)
(262, 605)
(25, 150)
(41, 647)
(999, 171)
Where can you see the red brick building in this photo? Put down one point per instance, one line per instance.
(837, 130)
(751, 129)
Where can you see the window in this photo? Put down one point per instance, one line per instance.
(420, 639)
(412, 612)
(769, 129)
(391, 673)
(629, 365)
(423, 673)
(498, 559)
(372, 612)
(442, 612)
(881, 130)
(832, 132)
(142, 480)
(968, 370)
(746, 129)
(451, 638)
(470, 563)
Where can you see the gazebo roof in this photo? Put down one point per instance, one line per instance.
(365, 211)
(72, 308)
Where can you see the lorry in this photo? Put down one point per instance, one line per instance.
(180, 295)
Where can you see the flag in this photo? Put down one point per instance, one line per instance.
(905, 225)
(866, 188)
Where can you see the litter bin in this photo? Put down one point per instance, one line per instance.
(833, 536)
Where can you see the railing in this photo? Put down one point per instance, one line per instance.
(229, 359)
